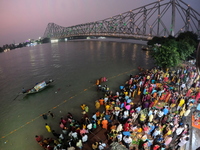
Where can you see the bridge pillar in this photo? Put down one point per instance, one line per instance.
(158, 25)
(173, 18)
(144, 20)
(187, 19)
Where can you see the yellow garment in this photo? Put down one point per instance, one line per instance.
(182, 112)
(107, 107)
(84, 126)
(139, 92)
(48, 128)
(182, 101)
(98, 121)
(139, 130)
(172, 105)
(169, 132)
(142, 117)
(83, 106)
(97, 105)
(126, 93)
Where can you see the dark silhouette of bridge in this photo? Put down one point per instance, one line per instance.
(161, 18)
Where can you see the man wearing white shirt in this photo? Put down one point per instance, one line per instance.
(178, 131)
(119, 137)
(160, 115)
(127, 140)
(116, 113)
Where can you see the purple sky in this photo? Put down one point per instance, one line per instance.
(24, 19)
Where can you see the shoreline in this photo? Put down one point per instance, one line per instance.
(142, 42)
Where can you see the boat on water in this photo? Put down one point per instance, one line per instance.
(146, 48)
(38, 87)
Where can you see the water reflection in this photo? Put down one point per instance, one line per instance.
(134, 52)
(55, 55)
(147, 55)
(32, 58)
(113, 50)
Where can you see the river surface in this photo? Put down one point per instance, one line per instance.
(75, 66)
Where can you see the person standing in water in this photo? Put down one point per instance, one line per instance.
(51, 114)
(48, 127)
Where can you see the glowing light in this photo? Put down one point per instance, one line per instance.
(54, 40)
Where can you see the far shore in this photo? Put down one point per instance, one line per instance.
(142, 42)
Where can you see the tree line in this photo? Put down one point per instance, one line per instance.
(24, 44)
(172, 51)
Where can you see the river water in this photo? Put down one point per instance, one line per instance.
(75, 66)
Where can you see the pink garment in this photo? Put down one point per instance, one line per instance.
(83, 131)
(62, 125)
(128, 107)
(168, 141)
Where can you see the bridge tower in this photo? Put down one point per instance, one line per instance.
(173, 18)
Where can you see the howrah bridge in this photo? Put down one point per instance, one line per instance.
(161, 18)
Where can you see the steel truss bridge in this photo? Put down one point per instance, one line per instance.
(161, 18)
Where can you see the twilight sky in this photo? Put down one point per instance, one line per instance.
(25, 19)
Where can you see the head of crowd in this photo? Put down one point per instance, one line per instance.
(148, 112)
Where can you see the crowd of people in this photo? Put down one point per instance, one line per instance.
(148, 112)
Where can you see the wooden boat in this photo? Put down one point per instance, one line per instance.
(38, 87)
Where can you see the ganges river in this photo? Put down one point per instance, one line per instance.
(74, 66)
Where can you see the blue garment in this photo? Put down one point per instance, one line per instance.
(165, 111)
(138, 109)
(144, 91)
(198, 106)
(126, 97)
(122, 105)
(121, 87)
(152, 127)
(153, 81)
(153, 91)
(126, 133)
(150, 142)
(107, 117)
(150, 112)
(128, 100)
